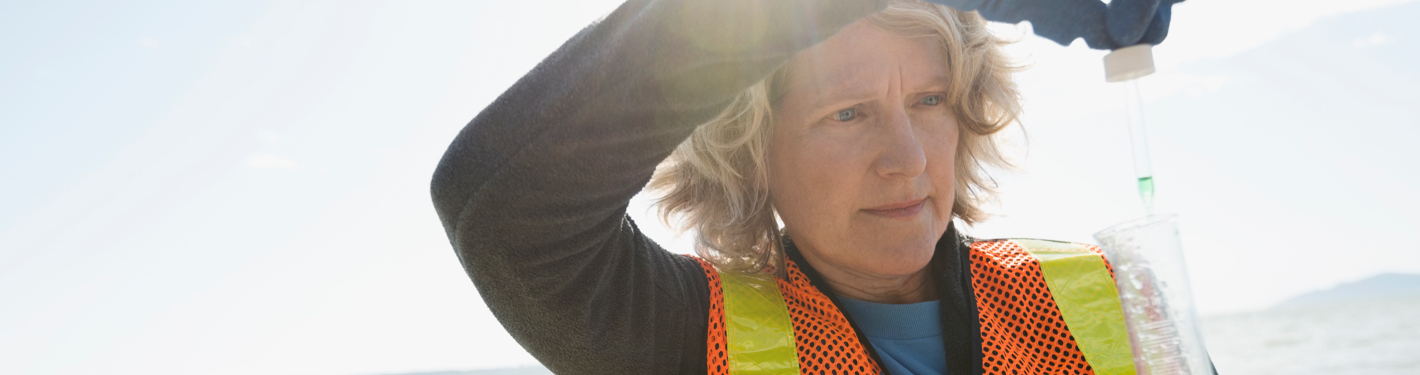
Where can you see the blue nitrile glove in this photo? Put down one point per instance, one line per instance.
(1120, 24)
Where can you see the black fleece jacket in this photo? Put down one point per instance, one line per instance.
(533, 192)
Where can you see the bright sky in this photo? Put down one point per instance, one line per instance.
(237, 187)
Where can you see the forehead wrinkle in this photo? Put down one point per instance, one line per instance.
(936, 81)
(838, 86)
(848, 86)
(836, 75)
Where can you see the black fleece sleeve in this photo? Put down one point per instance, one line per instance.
(533, 192)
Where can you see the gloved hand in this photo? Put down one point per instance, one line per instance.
(1122, 23)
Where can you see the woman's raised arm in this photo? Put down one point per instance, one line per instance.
(533, 192)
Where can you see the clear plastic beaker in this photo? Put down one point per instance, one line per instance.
(1155, 294)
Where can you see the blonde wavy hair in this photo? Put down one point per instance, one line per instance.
(717, 183)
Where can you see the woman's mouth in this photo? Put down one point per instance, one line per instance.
(899, 209)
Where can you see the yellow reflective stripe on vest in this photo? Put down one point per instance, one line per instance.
(1088, 302)
(759, 334)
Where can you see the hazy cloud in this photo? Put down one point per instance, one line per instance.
(270, 137)
(1380, 38)
(269, 161)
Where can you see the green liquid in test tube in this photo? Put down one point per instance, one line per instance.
(1139, 143)
(1146, 191)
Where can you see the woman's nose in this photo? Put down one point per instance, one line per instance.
(901, 154)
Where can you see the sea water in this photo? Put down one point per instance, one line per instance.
(1379, 336)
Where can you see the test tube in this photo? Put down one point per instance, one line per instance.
(1126, 66)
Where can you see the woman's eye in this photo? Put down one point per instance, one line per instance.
(932, 100)
(846, 115)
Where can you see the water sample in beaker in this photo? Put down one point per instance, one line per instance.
(1154, 292)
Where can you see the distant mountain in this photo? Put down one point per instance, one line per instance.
(526, 370)
(1383, 286)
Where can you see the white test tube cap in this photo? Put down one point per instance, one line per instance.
(1129, 63)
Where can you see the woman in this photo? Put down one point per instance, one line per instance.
(862, 125)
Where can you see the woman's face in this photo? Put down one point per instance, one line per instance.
(860, 165)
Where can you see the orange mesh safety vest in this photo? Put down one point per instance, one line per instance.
(1045, 307)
